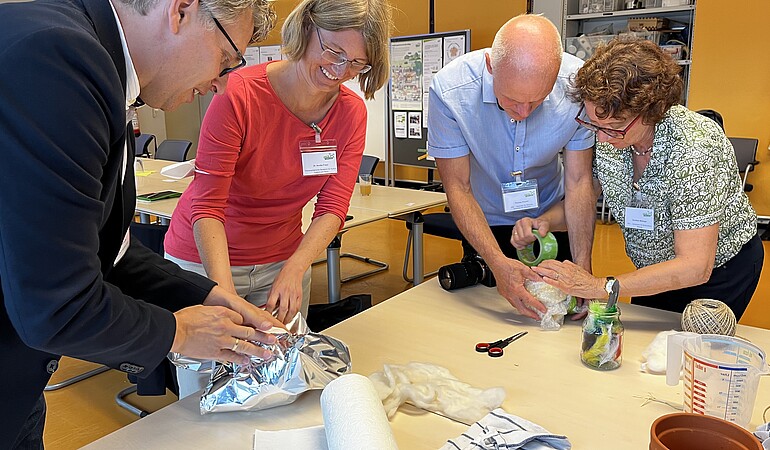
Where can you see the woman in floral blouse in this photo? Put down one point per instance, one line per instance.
(670, 178)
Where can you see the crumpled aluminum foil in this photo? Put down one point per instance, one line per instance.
(302, 360)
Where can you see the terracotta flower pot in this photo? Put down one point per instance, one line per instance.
(686, 431)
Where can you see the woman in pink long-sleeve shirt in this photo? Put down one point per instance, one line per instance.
(240, 220)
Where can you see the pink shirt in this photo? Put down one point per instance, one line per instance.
(249, 171)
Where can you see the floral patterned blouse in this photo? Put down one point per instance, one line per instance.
(691, 182)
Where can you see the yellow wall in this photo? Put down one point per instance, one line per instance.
(731, 74)
(483, 17)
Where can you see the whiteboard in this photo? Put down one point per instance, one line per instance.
(376, 125)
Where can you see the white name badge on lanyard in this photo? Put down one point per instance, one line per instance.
(318, 158)
(639, 215)
(520, 195)
(640, 218)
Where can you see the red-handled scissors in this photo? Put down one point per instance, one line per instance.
(495, 349)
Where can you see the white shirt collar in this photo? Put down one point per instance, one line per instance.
(132, 80)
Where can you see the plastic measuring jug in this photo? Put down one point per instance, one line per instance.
(721, 374)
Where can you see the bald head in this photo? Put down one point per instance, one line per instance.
(524, 63)
(527, 45)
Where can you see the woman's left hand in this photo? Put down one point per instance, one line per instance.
(570, 278)
(286, 294)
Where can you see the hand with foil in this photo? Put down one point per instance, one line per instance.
(223, 328)
(285, 297)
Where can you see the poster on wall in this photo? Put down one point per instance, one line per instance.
(432, 57)
(406, 75)
(251, 56)
(454, 47)
(399, 123)
(269, 53)
(415, 125)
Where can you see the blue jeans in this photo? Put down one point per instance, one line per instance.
(31, 433)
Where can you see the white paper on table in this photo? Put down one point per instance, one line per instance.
(179, 170)
(309, 438)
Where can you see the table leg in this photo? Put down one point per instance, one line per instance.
(333, 269)
(417, 252)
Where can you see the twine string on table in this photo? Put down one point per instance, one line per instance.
(707, 316)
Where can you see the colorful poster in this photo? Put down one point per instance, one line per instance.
(406, 75)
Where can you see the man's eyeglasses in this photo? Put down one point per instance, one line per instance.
(237, 52)
(611, 132)
(339, 60)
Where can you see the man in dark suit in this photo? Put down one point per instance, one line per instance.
(73, 282)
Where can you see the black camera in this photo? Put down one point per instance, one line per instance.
(470, 271)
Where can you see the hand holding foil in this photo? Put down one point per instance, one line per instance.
(301, 360)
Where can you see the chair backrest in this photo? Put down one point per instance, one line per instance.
(368, 165)
(150, 235)
(745, 152)
(143, 144)
(713, 115)
(173, 150)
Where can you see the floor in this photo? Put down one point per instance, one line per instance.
(83, 412)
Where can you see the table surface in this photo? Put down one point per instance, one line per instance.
(545, 381)
(385, 201)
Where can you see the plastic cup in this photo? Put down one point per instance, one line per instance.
(365, 185)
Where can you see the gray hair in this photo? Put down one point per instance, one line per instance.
(227, 11)
(508, 52)
(371, 17)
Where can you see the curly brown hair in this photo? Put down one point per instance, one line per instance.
(629, 77)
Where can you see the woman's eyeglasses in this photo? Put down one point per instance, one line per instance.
(339, 60)
(237, 52)
(611, 132)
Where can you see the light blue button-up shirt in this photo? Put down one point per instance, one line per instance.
(464, 119)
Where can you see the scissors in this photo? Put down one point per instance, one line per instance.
(495, 349)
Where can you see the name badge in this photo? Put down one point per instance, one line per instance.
(640, 218)
(520, 195)
(319, 158)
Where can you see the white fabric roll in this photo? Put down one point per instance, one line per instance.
(354, 416)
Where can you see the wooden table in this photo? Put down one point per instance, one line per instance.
(542, 374)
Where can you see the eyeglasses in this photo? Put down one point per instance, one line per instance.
(338, 60)
(613, 133)
(237, 52)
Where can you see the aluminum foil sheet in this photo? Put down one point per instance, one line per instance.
(302, 360)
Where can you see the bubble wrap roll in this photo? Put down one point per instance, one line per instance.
(354, 416)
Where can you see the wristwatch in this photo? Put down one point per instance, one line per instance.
(610, 284)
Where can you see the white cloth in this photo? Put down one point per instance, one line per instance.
(309, 438)
(433, 388)
(654, 356)
(502, 431)
(554, 299)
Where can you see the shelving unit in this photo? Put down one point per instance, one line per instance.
(681, 21)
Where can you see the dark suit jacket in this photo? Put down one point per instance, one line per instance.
(63, 211)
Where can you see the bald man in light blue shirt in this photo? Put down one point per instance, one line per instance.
(500, 117)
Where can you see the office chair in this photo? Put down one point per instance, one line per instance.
(437, 224)
(746, 157)
(151, 236)
(143, 145)
(173, 150)
(368, 166)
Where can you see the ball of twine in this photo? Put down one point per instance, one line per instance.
(707, 316)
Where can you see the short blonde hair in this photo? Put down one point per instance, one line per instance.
(371, 17)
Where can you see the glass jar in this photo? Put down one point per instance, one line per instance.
(602, 347)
